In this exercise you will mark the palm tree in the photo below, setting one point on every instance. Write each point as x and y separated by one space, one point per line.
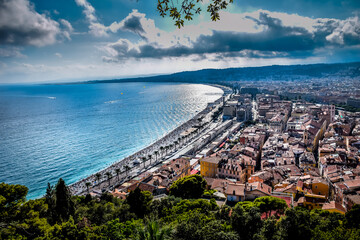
87 186
109 175
117 170
162 150
143 159
156 155
150 157
153 232
127 168
98 176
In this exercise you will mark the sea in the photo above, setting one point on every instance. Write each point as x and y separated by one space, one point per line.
71 131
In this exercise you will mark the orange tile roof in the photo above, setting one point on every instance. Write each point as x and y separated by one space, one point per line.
235 189
333 205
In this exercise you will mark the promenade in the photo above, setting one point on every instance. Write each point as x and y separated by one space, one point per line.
154 154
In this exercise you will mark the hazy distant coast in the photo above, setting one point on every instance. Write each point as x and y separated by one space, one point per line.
222 76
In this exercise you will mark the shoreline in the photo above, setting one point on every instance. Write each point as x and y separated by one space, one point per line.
79 187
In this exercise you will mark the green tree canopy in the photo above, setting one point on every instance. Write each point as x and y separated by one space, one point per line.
153 231
192 186
139 202
108 217
11 197
12 194
246 223
64 206
296 224
268 204
353 217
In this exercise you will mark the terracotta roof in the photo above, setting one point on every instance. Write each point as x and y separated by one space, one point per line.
262 187
176 164
353 184
212 159
118 194
235 189
237 148
143 187
289 189
220 185
301 200
354 198
313 130
319 180
209 180
300 184
287 199
333 205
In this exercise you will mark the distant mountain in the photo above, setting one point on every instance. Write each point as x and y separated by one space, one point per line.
276 72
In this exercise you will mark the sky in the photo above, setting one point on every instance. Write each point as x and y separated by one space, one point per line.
77 40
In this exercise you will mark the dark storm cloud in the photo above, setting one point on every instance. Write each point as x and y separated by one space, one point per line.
133 24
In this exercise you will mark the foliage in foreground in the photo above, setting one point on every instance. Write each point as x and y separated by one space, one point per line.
60 216
187 9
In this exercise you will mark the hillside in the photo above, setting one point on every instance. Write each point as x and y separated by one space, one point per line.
276 72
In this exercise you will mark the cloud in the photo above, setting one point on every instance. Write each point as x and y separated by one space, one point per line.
135 22
20 24
10 52
260 34
138 24
345 32
96 28
67 30
89 10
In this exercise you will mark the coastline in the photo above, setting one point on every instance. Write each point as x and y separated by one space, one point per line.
79 187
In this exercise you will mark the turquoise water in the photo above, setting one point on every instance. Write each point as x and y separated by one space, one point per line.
72 131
